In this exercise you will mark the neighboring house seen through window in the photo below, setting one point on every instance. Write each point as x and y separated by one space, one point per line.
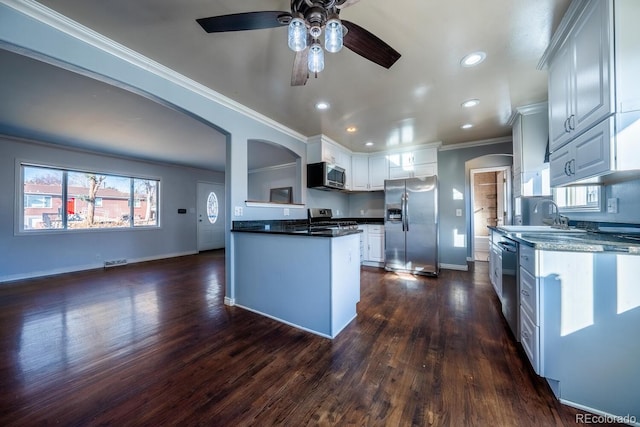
56 198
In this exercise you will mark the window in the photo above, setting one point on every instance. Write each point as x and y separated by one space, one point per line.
212 207
56 198
578 198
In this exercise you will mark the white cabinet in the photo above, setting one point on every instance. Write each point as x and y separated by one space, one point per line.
580 76
585 157
594 98
410 164
495 269
530 136
369 172
378 172
372 241
530 318
376 243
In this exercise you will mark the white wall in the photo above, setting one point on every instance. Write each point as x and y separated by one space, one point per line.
261 182
31 255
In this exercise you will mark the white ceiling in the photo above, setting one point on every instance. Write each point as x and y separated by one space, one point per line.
417 101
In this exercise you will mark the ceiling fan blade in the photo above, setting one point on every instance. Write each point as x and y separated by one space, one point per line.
242 21
369 46
300 72
345 3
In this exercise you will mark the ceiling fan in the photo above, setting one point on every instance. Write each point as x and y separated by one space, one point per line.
306 21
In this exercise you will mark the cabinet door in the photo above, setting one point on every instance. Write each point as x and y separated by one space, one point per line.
593 36
592 151
376 246
378 172
517 145
424 169
426 155
560 96
360 173
560 166
399 173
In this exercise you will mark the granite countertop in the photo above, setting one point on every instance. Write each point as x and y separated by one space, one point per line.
560 240
288 227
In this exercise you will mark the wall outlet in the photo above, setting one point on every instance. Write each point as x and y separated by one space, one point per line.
612 205
458 212
237 211
286 212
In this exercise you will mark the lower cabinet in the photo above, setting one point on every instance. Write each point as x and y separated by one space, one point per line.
372 244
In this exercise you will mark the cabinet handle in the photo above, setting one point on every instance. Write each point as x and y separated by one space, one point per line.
525 257
567 170
526 335
572 166
572 122
524 292
566 125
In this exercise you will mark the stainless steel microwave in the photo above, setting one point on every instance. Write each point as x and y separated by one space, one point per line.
326 176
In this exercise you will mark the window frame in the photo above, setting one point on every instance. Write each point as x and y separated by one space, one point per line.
594 207
19 222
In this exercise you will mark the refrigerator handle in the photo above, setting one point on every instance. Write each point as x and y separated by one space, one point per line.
402 212
406 211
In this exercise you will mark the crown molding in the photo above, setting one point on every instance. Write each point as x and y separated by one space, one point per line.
559 36
76 30
476 143
525 110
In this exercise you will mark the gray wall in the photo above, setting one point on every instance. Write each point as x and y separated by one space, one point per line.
261 182
366 205
454 181
36 254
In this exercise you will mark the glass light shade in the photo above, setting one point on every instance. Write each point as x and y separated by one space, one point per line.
316 58
333 36
297 35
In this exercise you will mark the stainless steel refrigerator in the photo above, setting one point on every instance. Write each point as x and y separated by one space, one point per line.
411 225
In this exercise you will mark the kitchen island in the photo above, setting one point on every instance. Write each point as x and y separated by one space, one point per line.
307 279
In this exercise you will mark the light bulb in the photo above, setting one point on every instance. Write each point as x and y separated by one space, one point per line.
297 35
333 36
316 58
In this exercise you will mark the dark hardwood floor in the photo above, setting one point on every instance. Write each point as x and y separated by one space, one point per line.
152 344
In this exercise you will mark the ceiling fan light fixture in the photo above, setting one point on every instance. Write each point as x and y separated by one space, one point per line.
297 35
333 35
316 58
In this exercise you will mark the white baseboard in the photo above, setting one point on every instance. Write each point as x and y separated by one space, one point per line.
92 266
602 417
229 301
454 267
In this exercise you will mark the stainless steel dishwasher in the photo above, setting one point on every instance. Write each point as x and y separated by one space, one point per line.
510 291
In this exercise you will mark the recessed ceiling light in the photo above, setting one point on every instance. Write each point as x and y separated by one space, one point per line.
470 103
467 126
473 59
352 129
322 105
368 144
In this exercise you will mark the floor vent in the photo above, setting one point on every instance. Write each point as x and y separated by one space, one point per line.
114 262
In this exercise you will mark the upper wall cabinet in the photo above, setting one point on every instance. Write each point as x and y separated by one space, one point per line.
593 67
529 147
410 164
369 172
580 74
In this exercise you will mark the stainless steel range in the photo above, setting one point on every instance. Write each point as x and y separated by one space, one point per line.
320 219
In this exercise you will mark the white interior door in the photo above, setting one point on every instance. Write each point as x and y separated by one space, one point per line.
210 214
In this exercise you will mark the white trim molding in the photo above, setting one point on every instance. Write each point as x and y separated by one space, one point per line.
476 143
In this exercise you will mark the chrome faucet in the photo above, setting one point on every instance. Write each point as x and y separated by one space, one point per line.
558 220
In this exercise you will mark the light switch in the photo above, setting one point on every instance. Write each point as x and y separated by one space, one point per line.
286 211
237 211
458 212
612 205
